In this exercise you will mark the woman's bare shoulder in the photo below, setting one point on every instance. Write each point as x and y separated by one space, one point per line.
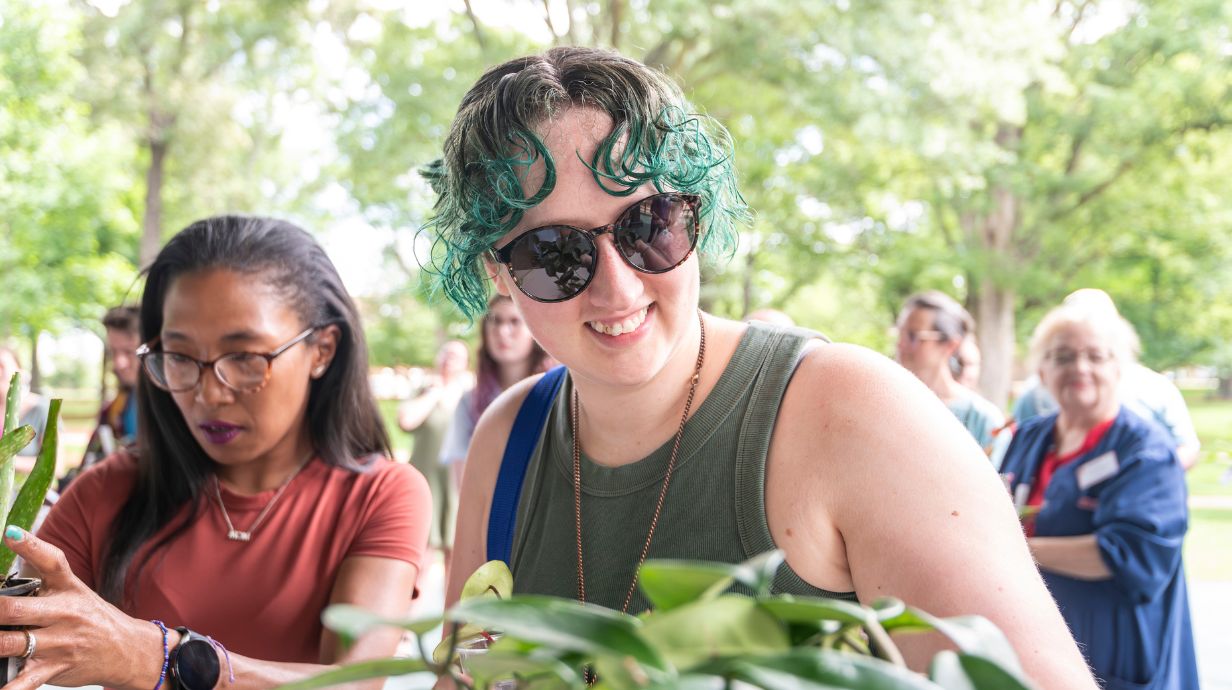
854 419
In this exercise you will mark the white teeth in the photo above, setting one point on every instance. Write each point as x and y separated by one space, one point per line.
627 326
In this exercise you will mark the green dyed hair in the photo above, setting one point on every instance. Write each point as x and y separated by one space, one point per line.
657 138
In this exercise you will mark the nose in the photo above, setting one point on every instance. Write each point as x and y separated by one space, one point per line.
211 391
616 286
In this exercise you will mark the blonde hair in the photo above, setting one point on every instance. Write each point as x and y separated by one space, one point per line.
1108 325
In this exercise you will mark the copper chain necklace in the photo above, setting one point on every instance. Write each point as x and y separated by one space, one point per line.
667 479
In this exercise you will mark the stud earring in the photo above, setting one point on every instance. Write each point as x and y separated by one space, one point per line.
316 373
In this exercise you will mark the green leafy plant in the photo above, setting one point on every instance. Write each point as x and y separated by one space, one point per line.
25 507
699 635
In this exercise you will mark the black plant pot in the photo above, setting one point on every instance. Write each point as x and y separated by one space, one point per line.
17 587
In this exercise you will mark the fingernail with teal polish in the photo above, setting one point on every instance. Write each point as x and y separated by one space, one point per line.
14 532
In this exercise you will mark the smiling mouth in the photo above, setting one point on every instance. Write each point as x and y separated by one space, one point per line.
628 325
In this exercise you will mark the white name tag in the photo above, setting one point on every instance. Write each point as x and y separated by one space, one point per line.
1095 471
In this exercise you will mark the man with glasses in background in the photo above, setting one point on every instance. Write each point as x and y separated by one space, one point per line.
117 420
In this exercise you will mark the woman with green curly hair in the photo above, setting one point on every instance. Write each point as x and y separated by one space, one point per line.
580 183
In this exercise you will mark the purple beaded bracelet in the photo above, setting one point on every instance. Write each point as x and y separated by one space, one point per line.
162 675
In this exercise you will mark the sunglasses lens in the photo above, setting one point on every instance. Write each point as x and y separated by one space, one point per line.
553 263
658 233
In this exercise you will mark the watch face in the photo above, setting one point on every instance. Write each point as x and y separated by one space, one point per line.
196 665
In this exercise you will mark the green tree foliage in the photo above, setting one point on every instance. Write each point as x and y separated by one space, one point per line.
203 92
67 220
1007 152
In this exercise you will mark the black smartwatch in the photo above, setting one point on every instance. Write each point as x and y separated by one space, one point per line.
194 662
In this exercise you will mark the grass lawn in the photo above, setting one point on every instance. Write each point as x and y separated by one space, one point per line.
1208 547
399 438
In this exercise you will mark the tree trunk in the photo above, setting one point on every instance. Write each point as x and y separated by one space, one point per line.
994 301
995 315
616 10
1224 391
994 235
152 222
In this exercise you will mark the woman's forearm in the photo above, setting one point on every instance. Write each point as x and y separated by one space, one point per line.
1077 557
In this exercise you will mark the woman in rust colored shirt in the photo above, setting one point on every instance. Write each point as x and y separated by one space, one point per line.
262 491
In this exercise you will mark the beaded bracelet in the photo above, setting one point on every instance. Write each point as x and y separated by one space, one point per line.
162 675
218 645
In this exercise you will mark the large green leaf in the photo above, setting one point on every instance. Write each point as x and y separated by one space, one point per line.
731 625
561 624
490 579
758 572
973 635
353 621
966 672
692 681
362 670
887 607
818 669
30 498
671 583
792 609
546 670
447 647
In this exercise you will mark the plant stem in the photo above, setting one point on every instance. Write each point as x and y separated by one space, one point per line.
881 645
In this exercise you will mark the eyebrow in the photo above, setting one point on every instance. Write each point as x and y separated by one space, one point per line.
235 336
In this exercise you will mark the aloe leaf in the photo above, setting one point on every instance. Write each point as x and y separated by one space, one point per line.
12 405
30 498
12 402
14 441
10 445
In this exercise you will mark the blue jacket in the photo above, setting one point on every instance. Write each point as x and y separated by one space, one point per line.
1134 629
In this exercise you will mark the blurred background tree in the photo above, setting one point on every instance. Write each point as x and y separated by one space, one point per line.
1006 153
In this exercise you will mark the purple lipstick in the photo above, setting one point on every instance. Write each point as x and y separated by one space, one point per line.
219 432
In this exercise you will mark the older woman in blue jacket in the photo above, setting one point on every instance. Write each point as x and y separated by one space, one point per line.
1105 501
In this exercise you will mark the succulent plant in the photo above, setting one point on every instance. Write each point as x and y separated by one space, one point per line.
25 507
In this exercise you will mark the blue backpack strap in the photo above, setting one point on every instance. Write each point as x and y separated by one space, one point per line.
523 438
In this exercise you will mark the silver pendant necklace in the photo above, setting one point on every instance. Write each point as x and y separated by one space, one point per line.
246 535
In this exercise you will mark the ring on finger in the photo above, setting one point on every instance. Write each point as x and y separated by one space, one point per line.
31 645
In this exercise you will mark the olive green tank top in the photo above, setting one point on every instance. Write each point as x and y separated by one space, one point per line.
715 507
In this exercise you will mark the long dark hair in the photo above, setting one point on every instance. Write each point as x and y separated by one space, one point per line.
343 421
488 373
